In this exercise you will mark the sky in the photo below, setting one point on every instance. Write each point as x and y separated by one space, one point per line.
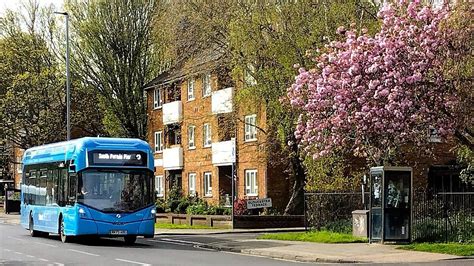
16 4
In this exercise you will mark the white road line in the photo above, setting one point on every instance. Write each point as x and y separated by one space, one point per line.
181 241
43 259
59 264
169 242
49 245
83 252
7 250
29 256
19 253
134 262
16 238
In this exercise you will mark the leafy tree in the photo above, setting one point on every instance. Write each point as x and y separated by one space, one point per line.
370 95
31 103
114 55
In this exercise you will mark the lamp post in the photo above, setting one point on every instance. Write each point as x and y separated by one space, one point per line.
68 92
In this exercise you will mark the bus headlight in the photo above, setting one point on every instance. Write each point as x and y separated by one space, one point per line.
152 213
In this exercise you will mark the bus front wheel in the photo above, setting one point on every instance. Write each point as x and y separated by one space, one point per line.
130 240
31 224
64 237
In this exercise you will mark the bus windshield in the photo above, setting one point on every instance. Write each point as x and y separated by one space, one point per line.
111 190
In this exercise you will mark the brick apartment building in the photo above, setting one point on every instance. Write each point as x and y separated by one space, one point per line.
199 136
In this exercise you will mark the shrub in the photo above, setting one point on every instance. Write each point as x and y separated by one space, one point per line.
240 207
160 205
339 226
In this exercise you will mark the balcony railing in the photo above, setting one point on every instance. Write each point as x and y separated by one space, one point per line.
223 153
173 158
222 101
172 112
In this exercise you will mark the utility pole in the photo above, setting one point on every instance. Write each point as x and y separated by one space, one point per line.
68 91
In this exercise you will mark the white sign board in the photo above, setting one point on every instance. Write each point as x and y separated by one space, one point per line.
259 203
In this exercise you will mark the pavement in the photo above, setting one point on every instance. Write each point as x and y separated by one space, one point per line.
228 240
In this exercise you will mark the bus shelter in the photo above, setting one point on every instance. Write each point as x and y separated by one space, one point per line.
390 204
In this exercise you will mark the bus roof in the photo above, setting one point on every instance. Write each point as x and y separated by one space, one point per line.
77 148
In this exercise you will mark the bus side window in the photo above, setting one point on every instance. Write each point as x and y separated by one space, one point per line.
33 190
55 189
72 188
62 187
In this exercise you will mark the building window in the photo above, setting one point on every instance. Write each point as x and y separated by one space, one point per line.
251 186
433 135
158 142
192 184
191 142
206 85
157 100
207 184
207 135
250 127
159 186
191 89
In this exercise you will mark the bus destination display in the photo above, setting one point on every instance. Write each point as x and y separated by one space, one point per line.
117 158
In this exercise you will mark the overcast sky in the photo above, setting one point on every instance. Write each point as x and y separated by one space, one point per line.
16 4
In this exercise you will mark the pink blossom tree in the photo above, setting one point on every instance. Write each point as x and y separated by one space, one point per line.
369 95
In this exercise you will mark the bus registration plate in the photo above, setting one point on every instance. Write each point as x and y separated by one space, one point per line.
118 232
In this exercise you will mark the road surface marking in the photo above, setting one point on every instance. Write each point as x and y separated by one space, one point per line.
19 239
43 259
19 253
83 252
29 256
59 264
170 242
49 245
134 262
7 250
181 241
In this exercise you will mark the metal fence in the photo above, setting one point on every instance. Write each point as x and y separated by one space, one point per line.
443 216
333 211
437 216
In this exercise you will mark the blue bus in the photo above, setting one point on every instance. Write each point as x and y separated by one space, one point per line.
89 186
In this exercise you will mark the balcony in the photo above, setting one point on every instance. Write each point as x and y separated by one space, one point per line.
223 153
222 101
172 112
173 158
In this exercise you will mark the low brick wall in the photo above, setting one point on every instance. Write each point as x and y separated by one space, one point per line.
225 221
218 221
269 221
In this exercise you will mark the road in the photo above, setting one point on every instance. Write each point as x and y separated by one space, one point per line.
18 248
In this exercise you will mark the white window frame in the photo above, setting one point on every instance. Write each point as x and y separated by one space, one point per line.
159 186
248 75
191 84
207 184
192 137
251 182
206 85
433 135
157 99
192 184
250 127
158 141
207 135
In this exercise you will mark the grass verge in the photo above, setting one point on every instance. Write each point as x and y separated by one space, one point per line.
445 248
315 236
182 226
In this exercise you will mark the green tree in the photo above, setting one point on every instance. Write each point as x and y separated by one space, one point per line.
113 54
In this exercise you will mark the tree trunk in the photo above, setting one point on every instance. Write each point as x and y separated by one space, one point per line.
296 203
